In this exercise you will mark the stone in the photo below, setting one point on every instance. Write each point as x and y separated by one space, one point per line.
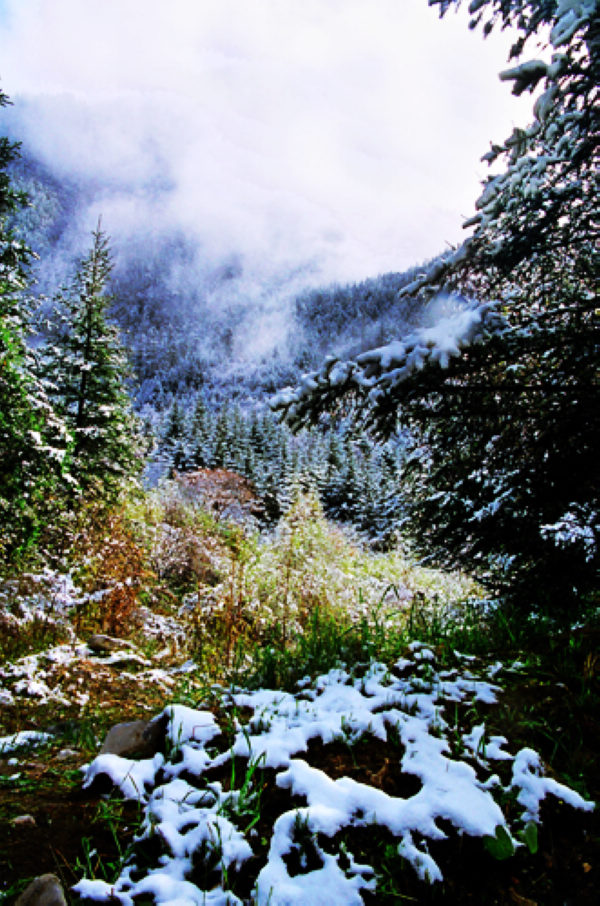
65 754
106 644
136 738
24 821
43 891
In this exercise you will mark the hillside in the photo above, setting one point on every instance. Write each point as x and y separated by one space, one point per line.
187 322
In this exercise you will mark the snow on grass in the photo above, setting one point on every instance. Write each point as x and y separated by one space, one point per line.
33 675
48 595
22 739
197 821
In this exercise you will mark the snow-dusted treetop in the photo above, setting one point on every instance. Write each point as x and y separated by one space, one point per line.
547 192
550 167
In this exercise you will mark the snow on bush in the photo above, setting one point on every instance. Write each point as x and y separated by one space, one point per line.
578 527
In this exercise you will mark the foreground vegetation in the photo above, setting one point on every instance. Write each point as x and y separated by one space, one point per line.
234 609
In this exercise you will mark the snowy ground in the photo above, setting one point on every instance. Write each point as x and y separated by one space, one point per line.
199 834
262 799
60 673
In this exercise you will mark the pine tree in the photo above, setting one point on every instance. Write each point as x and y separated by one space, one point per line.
237 443
221 440
32 437
174 438
200 435
89 371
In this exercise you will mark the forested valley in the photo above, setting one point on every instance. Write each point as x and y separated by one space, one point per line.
299 592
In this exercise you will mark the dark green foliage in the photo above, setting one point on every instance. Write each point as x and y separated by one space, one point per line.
32 439
500 846
88 369
509 483
173 438
66 426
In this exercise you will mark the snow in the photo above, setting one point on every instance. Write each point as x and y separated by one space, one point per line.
533 786
571 15
30 675
51 675
320 887
193 813
188 724
130 776
575 528
23 738
475 741
378 371
51 593
525 76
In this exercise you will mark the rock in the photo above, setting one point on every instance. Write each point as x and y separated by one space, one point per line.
24 821
126 739
65 754
43 891
106 644
136 738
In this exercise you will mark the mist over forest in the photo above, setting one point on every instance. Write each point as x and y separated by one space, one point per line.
210 341
194 322
264 159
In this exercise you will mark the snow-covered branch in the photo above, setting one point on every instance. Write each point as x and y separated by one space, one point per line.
548 180
381 372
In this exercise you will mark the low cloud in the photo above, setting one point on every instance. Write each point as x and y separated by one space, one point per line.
314 142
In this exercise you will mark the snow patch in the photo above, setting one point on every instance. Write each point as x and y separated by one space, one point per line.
196 818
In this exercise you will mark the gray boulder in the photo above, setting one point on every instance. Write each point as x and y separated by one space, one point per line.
43 891
135 739
106 644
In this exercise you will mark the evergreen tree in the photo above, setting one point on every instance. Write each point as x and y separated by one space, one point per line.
221 440
32 438
200 435
89 372
238 440
174 439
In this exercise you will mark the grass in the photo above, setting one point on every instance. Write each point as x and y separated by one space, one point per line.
309 597
270 612
118 826
245 806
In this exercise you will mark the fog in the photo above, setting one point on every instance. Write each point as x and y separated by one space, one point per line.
294 143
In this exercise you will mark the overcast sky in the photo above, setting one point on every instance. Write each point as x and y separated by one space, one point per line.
342 134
